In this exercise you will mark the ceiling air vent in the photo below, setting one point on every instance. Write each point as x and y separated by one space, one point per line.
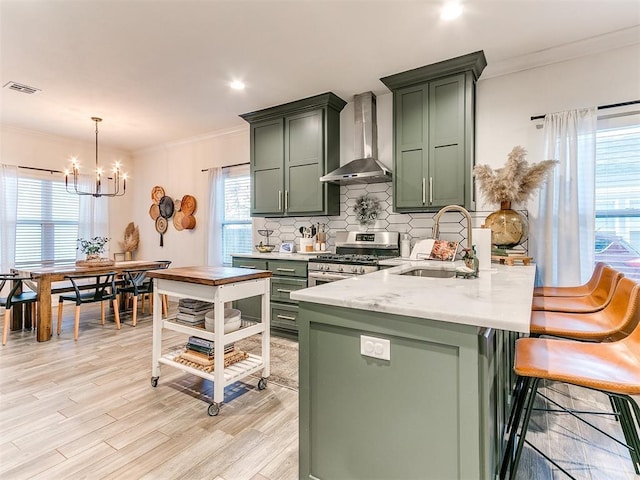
19 87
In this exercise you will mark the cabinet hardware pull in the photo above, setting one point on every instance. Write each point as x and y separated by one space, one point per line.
281 290
279 199
424 193
247 266
280 269
430 190
285 317
286 199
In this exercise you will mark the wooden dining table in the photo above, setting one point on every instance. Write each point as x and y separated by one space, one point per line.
44 277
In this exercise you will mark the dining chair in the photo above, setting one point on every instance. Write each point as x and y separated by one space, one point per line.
137 284
16 296
90 288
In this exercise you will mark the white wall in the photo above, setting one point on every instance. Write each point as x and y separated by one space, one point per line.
39 150
178 169
506 103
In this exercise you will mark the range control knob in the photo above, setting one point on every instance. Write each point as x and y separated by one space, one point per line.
340 269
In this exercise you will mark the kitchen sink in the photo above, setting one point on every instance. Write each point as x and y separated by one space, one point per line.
429 272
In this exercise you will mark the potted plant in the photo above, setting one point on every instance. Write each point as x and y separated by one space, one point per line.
92 247
515 182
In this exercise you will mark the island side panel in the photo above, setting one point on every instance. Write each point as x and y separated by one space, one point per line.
424 411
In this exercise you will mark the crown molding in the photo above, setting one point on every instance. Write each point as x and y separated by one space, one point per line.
194 139
567 51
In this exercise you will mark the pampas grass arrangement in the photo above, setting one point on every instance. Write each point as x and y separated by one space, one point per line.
516 181
131 238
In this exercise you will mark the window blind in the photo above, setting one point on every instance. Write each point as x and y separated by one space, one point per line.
617 198
236 226
46 223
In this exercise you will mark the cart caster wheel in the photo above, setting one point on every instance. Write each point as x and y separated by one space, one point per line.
213 410
262 384
154 381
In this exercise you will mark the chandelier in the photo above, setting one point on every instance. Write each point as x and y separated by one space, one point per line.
100 177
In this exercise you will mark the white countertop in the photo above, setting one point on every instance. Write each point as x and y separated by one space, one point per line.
279 256
500 298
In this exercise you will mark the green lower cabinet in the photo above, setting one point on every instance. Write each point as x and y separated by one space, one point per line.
430 412
285 317
288 276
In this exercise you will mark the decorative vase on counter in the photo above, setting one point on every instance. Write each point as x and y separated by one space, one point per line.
508 227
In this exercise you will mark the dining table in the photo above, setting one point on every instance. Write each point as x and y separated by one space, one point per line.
43 277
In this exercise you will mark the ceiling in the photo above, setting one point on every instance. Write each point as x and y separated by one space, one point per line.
157 71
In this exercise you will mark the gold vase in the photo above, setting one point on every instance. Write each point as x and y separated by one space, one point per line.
508 227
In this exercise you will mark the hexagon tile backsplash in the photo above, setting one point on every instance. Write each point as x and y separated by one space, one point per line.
417 225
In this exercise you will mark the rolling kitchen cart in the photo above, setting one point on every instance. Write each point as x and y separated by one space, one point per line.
216 285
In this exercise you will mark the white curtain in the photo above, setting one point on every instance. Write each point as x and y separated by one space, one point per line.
216 216
8 216
93 218
563 232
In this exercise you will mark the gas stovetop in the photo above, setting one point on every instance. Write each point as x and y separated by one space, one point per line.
351 259
357 252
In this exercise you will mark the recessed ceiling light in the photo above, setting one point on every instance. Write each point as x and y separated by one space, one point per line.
451 10
237 85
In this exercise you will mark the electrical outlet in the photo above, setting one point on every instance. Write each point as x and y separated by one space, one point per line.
375 347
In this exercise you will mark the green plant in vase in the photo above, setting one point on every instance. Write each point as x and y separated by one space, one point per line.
92 247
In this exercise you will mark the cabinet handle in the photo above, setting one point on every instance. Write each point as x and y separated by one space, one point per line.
430 190
424 193
280 269
285 317
286 199
281 290
279 199
247 266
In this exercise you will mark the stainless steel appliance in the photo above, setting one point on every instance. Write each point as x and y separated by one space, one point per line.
357 253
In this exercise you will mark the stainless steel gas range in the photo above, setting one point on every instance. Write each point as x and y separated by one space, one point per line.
357 253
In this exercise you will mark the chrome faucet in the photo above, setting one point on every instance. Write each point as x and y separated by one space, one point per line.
463 211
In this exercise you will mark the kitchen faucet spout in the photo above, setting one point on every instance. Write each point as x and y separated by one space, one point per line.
463 211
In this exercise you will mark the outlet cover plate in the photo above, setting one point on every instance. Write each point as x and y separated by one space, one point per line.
375 347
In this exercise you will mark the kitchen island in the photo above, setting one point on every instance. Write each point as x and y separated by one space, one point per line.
436 408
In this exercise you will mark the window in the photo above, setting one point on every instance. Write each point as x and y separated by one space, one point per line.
617 238
47 222
236 224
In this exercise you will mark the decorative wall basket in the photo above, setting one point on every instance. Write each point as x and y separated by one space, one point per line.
509 228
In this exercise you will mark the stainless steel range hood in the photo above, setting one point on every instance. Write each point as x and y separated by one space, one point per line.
366 168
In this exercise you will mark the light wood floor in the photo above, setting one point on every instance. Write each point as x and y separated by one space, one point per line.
86 409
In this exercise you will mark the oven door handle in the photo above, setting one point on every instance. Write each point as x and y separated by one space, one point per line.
329 276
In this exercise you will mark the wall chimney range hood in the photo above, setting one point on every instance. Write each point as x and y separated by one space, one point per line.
366 168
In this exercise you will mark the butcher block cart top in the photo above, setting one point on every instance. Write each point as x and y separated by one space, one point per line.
216 285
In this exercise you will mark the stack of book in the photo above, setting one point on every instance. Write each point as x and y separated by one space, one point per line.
192 312
199 353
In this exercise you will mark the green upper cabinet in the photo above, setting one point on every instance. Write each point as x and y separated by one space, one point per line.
292 146
434 134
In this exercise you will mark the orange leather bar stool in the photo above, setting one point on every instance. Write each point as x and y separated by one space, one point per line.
595 301
577 291
613 322
612 368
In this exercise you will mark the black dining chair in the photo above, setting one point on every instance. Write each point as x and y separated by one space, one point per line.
16 296
137 284
90 288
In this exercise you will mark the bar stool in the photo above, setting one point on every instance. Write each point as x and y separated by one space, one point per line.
613 322
593 302
15 298
577 291
612 368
